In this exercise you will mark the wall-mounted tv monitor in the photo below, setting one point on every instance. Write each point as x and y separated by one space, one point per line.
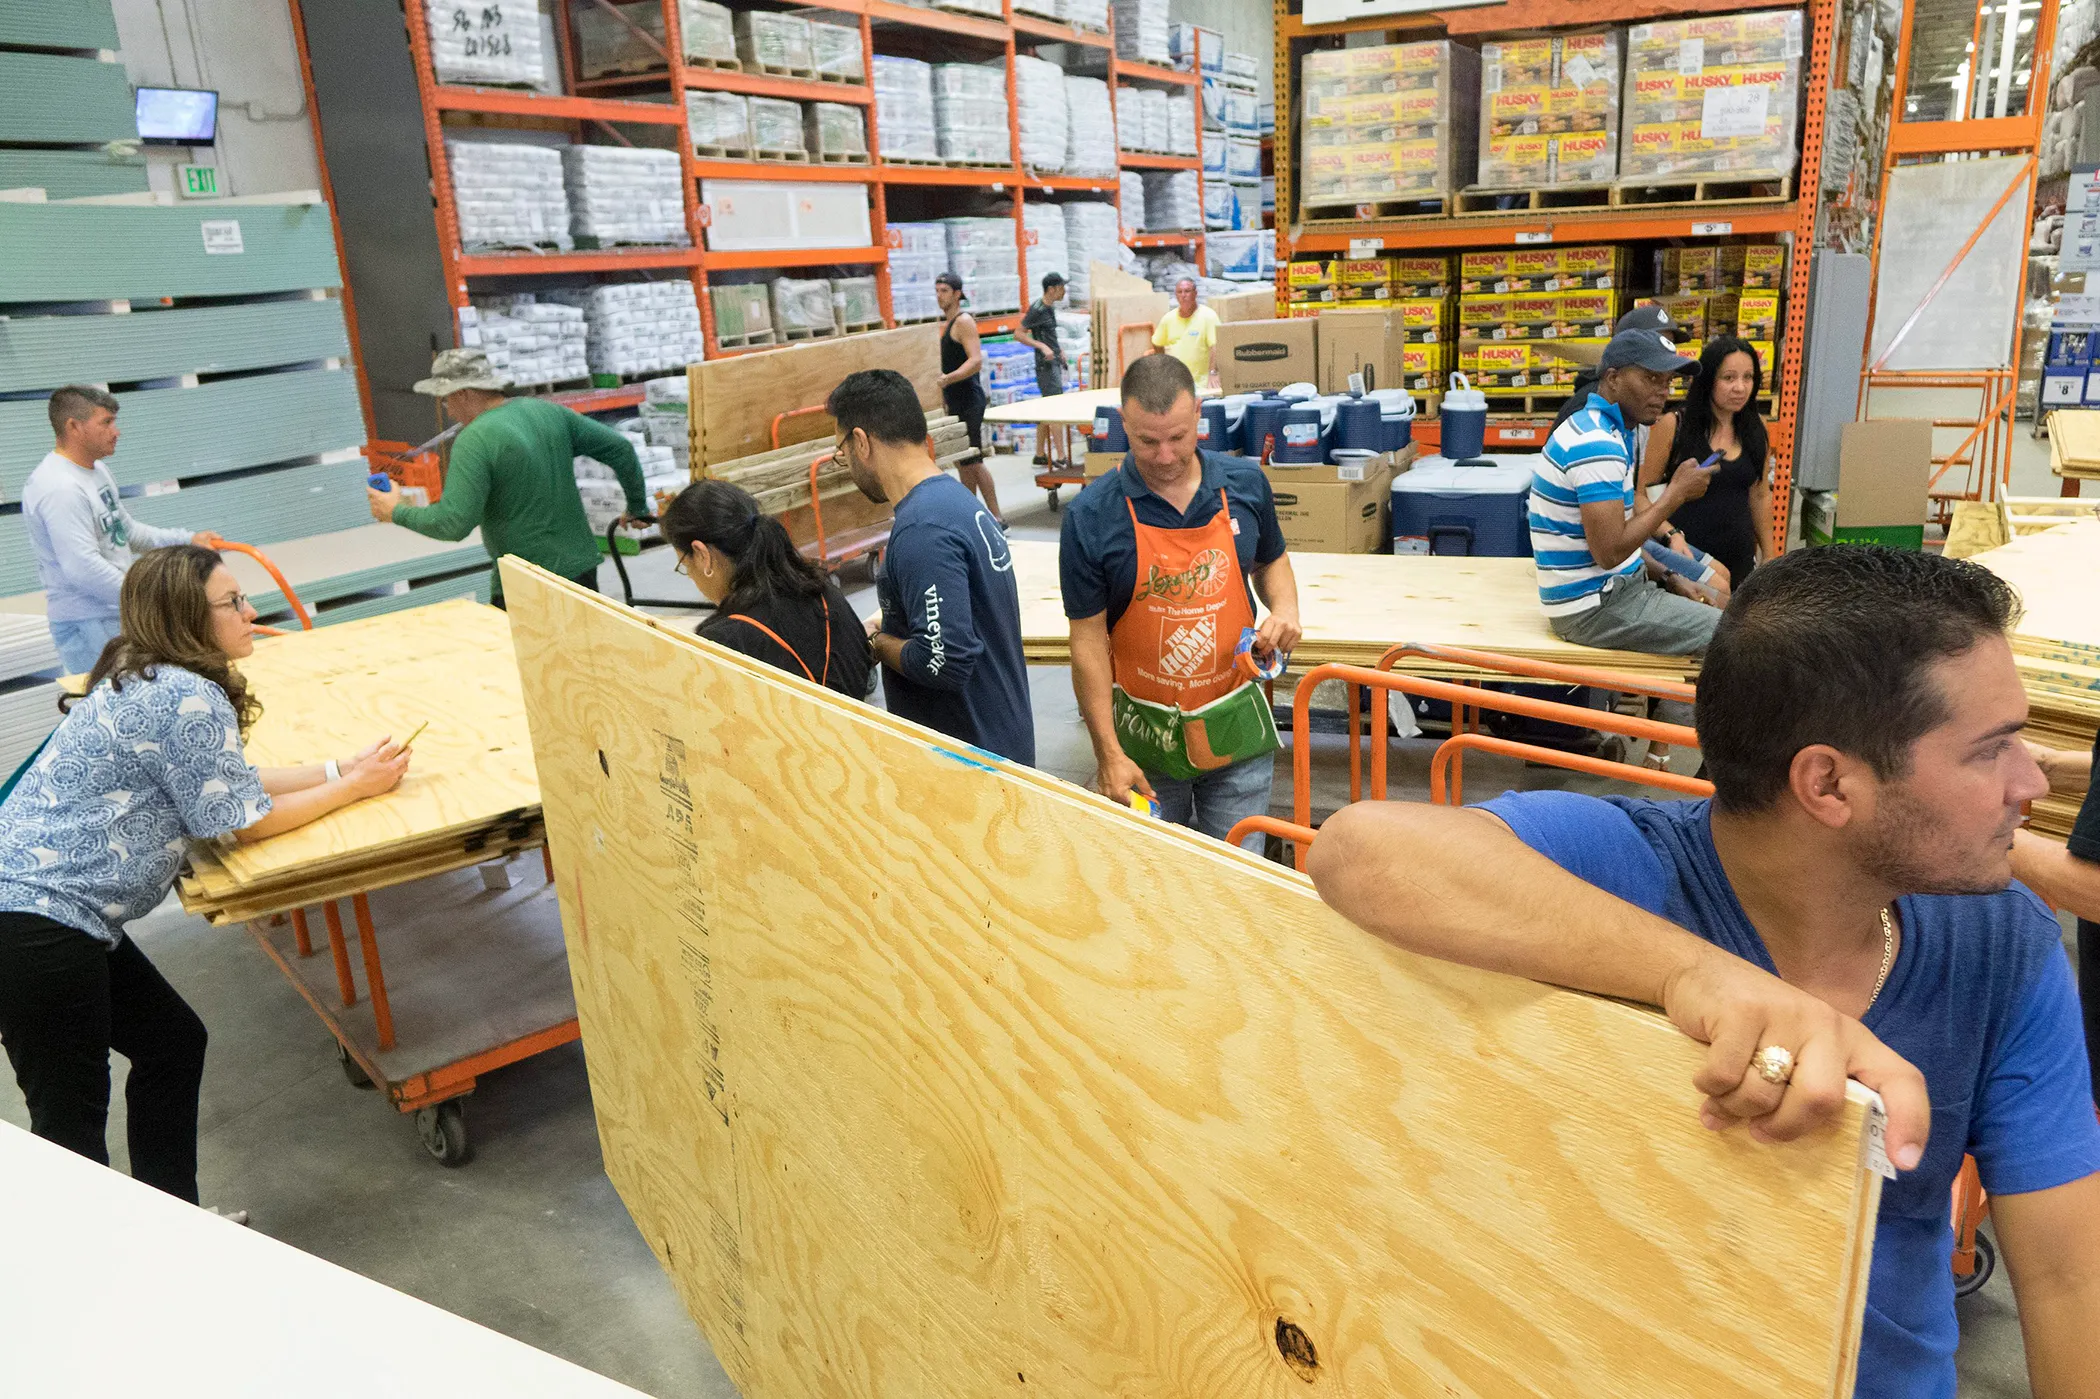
178 116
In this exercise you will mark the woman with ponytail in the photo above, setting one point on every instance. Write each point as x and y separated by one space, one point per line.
770 603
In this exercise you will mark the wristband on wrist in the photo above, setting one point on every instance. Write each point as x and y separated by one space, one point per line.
335 774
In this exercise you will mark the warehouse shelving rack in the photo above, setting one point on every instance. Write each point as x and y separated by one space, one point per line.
657 100
1794 215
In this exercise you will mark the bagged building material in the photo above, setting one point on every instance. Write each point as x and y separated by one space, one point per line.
1090 147
607 44
528 342
718 122
1092 234
1398 121
776 127
1181 123
970 114
743 313
1549 110
918 254
855 304
1039 102
626 194
1172 201
1141 31
835 52
1047 9
1087 14
774 43
1043 228
802 307
488 42
1713 95
1130 118
1186 41
1157 120
1130 197
984 254
636 328
904 114
1217 204
835 129
509 194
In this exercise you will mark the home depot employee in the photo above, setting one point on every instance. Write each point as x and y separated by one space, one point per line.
1155 560
513 473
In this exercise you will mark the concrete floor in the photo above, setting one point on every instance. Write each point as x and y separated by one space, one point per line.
530 1238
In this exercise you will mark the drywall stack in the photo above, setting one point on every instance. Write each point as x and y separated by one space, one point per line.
969 114
530 343
802 308
634 328
1517 307
488 43
29 692
607 44
629 194
904 109
73 133
1395 122
1549 110
511 195
1092 235
1130 197
1039 97
1173 201
835 131
768 42
1047 247
983 253
918 254
719 123
1090 147
1141 31
1711 96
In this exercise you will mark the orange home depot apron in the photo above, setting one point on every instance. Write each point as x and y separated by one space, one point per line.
1182 708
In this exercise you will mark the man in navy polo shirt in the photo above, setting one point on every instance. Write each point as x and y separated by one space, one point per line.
1156 561
1846 895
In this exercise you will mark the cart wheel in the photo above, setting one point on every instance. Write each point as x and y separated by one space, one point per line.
352 1070
444 1132
1986 1264
1054 501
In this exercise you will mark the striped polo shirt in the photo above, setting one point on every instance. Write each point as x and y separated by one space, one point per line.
1588 458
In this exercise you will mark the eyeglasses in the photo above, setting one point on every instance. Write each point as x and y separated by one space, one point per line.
679 563
234 604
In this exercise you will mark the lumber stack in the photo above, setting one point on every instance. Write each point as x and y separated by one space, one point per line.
1356 607
780 478
2074 443
471 793
2056 645
1039 1092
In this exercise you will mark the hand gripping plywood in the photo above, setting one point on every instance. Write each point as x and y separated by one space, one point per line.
926 1074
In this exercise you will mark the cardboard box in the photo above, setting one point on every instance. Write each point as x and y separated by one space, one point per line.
1762 265
1362 271
1387 464
1757 315
1258 304
1884 473
1101 463
1333 517
1351 340
1310 274
1254 355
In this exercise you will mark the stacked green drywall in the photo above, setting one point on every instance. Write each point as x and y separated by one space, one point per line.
57 24
80 99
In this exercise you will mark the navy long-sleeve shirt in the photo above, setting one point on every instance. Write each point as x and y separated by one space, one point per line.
948 592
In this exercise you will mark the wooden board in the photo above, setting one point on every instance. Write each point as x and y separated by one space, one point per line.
2056 643
1075 409
734 400
327 693
1356 607
924 1073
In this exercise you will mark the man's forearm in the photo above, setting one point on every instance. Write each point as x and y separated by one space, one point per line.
1093 685
1276 584
2061 878
1459 886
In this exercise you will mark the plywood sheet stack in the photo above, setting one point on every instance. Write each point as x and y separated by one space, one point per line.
979 1105
780 479
2074 443
1356 607
471 793
2056 645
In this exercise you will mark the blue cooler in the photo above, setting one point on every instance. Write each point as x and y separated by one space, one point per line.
1442 507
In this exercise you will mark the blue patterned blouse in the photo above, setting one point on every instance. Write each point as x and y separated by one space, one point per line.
93 835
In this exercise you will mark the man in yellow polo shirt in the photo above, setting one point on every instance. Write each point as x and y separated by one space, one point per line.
1188 331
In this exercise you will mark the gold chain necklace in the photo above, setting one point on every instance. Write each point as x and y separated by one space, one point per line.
1888 954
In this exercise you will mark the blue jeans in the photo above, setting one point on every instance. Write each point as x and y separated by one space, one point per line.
1217 803
80 643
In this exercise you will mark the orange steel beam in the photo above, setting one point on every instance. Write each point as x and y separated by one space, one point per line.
375 980
1270 825
1539 670
340 951
1446 780
302 937
1786 394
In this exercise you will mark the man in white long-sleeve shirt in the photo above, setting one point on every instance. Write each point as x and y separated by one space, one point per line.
81 533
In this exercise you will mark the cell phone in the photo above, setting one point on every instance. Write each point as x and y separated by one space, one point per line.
1709 461
410 740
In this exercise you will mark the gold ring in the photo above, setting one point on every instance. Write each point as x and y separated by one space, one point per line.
1774 1064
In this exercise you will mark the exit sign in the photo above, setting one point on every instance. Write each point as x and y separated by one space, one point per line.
198 181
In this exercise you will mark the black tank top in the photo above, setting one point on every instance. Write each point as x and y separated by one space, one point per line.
967 394
1719 521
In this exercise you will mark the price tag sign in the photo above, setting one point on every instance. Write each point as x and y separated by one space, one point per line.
1712 230
1534 235
1734 112
222 236
1366 247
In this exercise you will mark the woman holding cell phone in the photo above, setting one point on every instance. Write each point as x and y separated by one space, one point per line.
1718 421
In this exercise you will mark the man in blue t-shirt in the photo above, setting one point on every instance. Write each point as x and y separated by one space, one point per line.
950 637
1846 895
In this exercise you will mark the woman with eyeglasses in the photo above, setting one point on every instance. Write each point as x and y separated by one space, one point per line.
147 761
771 604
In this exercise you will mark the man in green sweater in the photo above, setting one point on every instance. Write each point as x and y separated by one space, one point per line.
513 473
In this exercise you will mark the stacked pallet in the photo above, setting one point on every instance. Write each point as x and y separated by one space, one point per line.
1356 607
780 479
2056 645
471 793
2074 443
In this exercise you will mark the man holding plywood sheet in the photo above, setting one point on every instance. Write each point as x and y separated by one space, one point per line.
1846 892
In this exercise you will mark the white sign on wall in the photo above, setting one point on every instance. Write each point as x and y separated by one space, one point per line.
1340 11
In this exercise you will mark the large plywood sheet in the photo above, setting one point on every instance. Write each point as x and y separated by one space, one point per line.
925 1074
733 401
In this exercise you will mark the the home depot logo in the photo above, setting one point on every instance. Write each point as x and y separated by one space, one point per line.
1187 650
1203 578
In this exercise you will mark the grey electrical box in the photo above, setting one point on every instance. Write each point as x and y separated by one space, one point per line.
1838 288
